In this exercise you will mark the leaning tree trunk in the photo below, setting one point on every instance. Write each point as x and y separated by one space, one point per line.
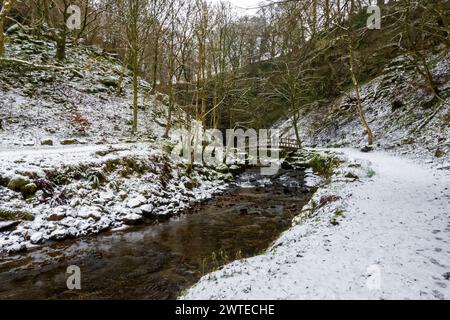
2 39
295 124
359 107
134 59
6 8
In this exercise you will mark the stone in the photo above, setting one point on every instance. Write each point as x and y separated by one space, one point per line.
104 223
352 176
109 82
56 215
47 142
107 196
59 234
37 238
28 143
29 189
136 202
8 225
133 219
147 209
74 202
17 183
367 149
66 142
89 212
123 195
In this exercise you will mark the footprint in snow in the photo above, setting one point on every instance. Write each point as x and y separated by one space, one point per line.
438 295
441 284
435 262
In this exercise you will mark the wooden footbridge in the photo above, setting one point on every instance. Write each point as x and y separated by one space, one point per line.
283 143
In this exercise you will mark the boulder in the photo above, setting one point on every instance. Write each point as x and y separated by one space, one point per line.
37 238
56 215
29 189
66 142
89 212
147 209
59 234
17 183
367 149
47 142
8 225
133 219
136 202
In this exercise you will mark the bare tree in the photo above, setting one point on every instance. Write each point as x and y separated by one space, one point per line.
6 6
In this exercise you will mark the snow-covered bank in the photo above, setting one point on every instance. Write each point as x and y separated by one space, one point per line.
58 193
379 230
397 109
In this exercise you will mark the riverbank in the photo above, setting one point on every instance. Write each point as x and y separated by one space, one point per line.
160 261
70 192
380 229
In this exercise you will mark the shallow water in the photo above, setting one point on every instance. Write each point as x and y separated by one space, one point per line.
160 261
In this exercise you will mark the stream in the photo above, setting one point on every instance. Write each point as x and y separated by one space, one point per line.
161 260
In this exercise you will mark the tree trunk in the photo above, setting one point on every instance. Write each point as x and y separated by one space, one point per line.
358 94
134 58
61 48
155 66
4 11
297 133
2 39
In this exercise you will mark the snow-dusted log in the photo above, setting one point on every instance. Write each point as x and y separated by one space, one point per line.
34 65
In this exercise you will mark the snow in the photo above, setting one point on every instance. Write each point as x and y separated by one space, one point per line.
390 242
125 197
39 107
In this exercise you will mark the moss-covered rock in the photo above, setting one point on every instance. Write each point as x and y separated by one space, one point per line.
17 183
439 153
15 214
66 142
47 142
109 82
29 189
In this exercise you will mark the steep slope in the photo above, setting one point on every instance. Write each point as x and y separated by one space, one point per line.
397 106
76 102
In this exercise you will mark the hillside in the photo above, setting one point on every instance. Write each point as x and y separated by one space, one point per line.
77 104
69 165
403 115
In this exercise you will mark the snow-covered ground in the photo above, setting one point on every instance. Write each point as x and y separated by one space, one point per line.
77 105
64 192
379 230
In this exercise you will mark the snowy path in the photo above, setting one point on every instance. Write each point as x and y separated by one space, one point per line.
394 243
62 155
